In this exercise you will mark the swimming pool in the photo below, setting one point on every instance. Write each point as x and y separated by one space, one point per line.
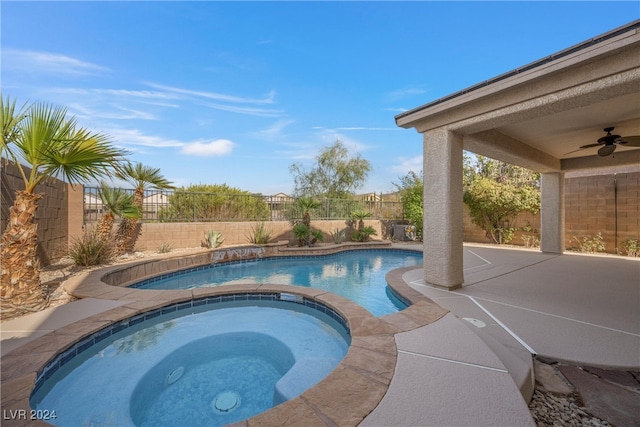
358 275
208 362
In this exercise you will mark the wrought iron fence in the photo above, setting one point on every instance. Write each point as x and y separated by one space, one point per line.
181 206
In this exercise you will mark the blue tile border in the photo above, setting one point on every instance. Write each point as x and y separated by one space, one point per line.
68 354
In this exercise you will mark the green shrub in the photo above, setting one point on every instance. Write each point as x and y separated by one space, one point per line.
632 247
301 231
316 236
363 235
91 250
259 235
339 236
590 244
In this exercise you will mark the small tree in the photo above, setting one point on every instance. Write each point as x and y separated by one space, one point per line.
496 193
335 175
115 203
142 178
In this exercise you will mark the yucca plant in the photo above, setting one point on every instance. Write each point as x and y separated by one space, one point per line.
212 239
339 236
91 249
259 235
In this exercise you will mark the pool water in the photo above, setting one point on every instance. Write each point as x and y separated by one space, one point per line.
207 368
356 275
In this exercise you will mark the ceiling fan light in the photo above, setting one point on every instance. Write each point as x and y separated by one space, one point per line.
606 150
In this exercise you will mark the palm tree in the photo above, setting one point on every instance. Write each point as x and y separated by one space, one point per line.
51 145
115 203
307 204
142 178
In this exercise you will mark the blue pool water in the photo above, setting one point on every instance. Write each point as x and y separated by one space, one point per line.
356 275
207 368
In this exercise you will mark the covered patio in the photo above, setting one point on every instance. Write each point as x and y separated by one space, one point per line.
537 116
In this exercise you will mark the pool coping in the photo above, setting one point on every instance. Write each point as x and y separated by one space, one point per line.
344 398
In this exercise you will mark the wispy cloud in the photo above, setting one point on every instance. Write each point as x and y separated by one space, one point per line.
404 93
273 131
268 99
49 63
134 139
252 111
406 164
219 147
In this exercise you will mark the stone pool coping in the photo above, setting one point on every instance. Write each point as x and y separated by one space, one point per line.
344 398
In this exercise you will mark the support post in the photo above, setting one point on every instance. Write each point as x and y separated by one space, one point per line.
552 212
443 232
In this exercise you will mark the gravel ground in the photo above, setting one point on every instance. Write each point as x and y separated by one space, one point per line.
550 409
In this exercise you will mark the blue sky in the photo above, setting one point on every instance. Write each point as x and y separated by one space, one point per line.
236 92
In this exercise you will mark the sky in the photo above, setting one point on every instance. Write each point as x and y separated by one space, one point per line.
236 92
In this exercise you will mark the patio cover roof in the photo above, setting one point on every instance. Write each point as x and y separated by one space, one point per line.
537 115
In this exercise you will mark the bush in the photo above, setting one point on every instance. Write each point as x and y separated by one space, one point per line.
590 244
632 247
259 235
339 236
91 250
363 235
164 248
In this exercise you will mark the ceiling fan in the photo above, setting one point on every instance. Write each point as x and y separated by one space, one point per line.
608 143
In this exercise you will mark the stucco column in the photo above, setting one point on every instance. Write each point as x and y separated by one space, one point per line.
443 234
552 212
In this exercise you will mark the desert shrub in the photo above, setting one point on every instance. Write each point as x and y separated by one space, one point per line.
259 234
339 236
90 249
164 248
591 244
632 247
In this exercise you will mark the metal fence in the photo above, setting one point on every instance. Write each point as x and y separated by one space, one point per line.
181 206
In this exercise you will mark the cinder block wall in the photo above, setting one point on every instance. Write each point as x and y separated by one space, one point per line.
52 215
182 235
591 207
473 233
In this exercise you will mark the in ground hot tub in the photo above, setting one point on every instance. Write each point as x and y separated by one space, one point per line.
207 362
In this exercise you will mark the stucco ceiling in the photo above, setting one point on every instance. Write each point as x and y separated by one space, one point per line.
560 134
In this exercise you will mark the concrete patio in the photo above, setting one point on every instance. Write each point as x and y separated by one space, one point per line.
472 366
579 308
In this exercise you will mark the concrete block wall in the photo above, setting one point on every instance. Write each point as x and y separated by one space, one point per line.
473 233
180 235
591 207
52 215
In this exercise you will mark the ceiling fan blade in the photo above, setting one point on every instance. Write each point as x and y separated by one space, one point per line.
606 150
590 145
630 141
